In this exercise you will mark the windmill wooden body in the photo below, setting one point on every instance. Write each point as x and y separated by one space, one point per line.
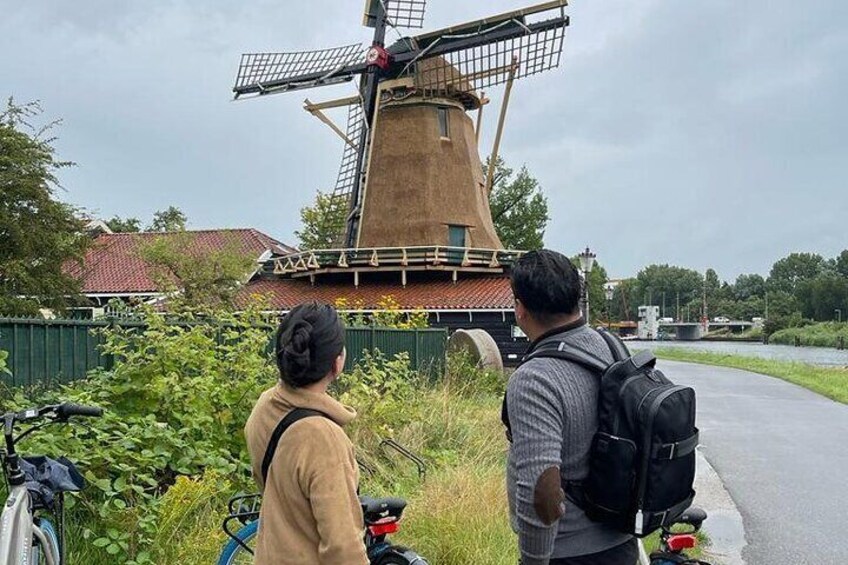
411 191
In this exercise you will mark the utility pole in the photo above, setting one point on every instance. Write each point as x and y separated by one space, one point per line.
663 309
678 306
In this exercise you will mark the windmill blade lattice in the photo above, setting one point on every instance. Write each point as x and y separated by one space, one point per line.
399 13
340 199
406 13
299 69
487 65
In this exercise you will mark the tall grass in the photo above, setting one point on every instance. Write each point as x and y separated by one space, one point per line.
460 516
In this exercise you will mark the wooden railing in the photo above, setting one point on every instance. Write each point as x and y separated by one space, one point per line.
393 258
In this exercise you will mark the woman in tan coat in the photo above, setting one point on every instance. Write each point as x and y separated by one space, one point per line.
310 510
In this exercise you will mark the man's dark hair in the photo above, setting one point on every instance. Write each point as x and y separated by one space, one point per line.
547 283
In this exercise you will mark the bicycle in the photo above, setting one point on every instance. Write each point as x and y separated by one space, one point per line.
36 487
382 517
673 543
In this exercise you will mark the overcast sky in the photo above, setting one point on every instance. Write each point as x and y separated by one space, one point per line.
703 134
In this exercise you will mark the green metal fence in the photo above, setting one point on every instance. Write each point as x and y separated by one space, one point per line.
56 351
426 347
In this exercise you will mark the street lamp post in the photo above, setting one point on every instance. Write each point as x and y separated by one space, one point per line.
609 291
587 261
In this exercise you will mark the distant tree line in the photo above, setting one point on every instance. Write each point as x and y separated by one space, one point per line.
171 219
799 287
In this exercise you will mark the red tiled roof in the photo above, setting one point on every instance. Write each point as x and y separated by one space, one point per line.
477 293
113 265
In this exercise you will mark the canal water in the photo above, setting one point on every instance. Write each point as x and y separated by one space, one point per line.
813 355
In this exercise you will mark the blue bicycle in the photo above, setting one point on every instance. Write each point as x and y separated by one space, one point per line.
382 517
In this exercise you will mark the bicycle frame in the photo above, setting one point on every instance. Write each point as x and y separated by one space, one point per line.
22 541
18 531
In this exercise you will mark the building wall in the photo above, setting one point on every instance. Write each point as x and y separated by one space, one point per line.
419 183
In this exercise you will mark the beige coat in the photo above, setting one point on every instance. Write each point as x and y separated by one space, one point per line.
310 510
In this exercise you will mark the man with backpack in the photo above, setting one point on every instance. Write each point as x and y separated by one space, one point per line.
551 413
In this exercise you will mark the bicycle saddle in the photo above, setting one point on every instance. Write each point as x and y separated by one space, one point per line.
692 516
375 509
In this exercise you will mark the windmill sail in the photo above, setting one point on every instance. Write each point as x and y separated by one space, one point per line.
400 13
481 54
260 73
335 221
489 65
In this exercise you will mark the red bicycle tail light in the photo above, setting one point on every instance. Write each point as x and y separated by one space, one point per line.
682 541
383 529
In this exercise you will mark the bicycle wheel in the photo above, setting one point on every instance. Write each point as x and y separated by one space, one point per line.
38 552
398 555
234 553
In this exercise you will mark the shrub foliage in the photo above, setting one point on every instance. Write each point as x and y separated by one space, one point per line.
175 405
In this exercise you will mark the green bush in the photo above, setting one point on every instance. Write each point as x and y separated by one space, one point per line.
777 323
825 334
175 405
380 389
4 368
466 377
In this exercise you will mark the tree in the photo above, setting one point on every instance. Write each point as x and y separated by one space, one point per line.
786 273
820 297
197 279
41 239
841 263
124 225
623 299
712 286
168 220
597 296
519 208
748 286
323 222
678 283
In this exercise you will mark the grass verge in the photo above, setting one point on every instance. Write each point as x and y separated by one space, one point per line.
831 382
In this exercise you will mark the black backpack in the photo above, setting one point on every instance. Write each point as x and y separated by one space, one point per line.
642 459
293 416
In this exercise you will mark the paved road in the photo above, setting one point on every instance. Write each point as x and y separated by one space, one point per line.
782 452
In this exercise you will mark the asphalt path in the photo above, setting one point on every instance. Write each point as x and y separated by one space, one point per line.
782 453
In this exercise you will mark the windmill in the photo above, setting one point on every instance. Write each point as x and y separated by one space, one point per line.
411 174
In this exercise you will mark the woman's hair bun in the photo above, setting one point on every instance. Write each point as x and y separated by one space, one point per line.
309 340
296 353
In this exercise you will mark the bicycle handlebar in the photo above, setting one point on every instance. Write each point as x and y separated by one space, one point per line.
67 409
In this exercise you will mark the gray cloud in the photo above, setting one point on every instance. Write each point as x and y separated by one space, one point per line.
702 134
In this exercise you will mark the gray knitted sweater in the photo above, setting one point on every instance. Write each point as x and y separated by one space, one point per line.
553 415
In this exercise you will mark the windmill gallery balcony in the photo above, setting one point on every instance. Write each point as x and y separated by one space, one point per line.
391 259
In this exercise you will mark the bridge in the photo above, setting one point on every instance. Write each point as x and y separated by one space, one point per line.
693 331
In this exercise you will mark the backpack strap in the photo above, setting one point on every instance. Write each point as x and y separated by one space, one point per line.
617 348
567 352
556 350
293 416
